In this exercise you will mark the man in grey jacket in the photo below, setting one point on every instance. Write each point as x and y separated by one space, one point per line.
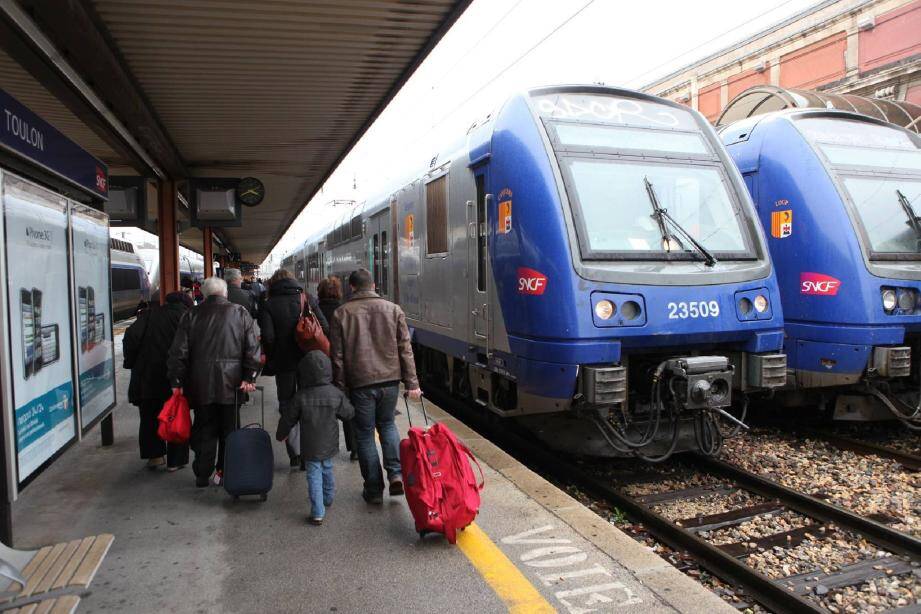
371 353
213 358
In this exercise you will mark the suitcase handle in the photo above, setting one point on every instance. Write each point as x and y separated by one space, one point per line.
408 416
238 405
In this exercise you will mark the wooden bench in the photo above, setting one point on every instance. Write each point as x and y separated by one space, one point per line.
53 575
62 605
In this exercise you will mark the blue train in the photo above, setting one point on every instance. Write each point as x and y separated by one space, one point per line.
586 261
841 193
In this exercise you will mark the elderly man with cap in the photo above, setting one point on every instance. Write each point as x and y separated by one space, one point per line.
237 294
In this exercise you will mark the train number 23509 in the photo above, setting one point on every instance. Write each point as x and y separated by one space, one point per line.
693 309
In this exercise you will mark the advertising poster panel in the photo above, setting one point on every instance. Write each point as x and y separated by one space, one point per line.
39 312
95 352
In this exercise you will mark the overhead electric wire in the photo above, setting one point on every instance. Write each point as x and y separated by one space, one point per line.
505 69
705 43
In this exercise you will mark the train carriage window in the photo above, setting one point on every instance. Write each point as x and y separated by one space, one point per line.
356 227
436 216
481 233
385 260
376 255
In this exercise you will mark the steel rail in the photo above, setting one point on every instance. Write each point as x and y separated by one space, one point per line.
910 461
876 532
767 592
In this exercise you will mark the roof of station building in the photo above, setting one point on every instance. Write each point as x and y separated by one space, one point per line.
280 90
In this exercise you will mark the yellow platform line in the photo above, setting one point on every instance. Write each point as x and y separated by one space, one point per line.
511 586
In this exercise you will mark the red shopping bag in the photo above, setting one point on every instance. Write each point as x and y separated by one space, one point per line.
175 420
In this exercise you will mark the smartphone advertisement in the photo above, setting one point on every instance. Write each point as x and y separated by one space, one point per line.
39 311
95 355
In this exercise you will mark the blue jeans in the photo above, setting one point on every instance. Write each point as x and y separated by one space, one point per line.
375 407
320 486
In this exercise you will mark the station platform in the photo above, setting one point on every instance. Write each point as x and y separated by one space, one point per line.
179 548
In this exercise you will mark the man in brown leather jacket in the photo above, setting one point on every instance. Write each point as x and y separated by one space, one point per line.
371 355
214 355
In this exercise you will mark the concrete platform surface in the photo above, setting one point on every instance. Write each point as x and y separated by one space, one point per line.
183 549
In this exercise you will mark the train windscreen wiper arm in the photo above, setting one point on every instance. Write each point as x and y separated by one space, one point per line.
913 220
662 216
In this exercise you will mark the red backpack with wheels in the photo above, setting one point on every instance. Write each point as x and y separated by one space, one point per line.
441 488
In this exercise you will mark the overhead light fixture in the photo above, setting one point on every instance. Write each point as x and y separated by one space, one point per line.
761 66
867 22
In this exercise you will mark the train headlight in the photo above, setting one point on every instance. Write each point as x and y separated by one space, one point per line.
907 300
604 309
761 303
889 299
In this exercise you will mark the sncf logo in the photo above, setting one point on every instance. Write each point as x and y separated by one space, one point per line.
531 281
817 283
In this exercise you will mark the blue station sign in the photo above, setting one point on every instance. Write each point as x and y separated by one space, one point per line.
28 136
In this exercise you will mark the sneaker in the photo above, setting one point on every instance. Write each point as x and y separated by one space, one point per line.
315 520
374 499
155 463
396 488
218 478
175 469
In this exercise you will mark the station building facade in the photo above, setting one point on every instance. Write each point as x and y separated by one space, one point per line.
865 47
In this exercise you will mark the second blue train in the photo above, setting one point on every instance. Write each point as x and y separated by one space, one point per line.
840 194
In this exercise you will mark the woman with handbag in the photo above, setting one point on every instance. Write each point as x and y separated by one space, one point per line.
329 295
278 321
145 347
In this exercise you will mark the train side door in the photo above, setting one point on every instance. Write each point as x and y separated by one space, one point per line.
478 263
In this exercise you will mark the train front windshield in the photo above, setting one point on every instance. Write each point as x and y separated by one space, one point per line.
879 168
643 181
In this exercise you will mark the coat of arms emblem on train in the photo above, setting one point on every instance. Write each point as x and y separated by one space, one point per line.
781 224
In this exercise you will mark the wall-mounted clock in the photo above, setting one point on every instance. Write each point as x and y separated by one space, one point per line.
250 191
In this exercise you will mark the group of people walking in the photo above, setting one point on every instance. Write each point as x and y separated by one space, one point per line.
213 353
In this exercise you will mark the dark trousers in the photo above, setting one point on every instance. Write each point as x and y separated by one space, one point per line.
151 444
286 386
210 427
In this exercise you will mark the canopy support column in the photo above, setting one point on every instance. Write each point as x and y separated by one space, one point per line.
208 251
169 240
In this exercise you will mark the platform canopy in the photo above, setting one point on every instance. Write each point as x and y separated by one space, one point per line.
766 98
279 90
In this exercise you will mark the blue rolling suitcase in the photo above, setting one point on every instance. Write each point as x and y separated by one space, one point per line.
249 460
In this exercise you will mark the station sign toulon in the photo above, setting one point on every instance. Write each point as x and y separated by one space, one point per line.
28 136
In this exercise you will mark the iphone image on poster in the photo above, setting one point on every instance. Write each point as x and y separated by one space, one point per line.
100 328
28 331
84 321
36 328
50 348
91 317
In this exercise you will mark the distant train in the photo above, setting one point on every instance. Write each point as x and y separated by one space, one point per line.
841 195
586 261
191 267
130 285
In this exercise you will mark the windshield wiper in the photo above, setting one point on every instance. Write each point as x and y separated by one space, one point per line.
662 216
913 220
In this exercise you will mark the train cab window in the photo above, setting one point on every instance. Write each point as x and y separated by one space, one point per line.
481 233
616 209
436 216
385 261
125 279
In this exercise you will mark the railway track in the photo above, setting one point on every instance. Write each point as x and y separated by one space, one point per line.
727 561
910 461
